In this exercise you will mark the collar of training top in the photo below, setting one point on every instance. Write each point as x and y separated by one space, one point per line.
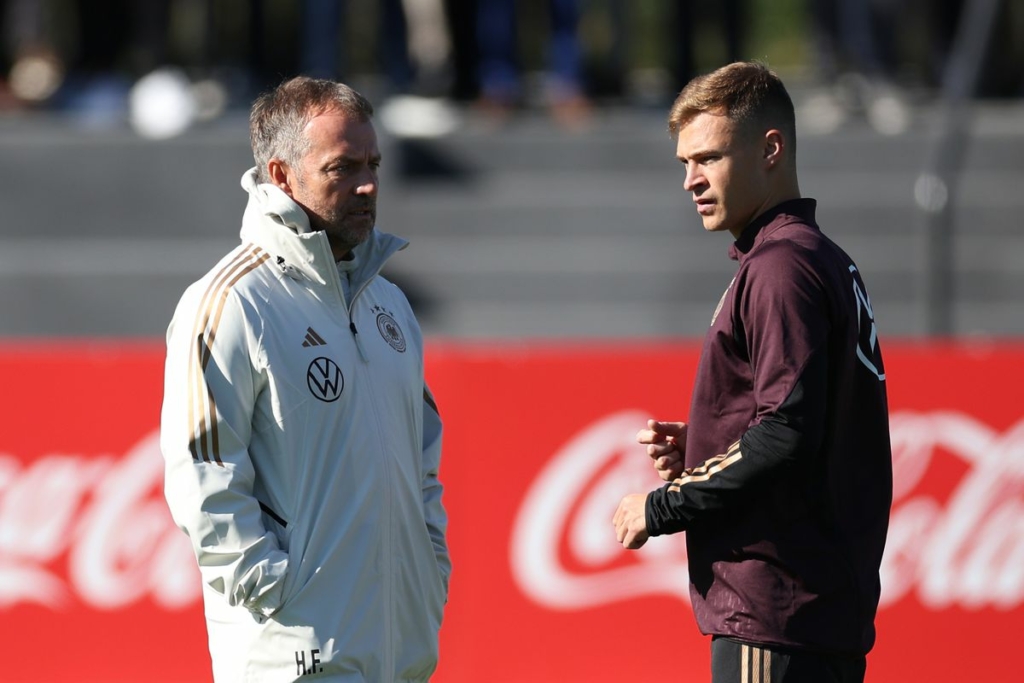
781 214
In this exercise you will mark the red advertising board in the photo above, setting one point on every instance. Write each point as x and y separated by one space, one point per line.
96 584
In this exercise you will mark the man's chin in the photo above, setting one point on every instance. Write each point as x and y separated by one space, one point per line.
353 235
347 238
715 226
363 233
360 225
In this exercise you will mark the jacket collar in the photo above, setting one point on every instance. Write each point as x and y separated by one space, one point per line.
275 223
760 228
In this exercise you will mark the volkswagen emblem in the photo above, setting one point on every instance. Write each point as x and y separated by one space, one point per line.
324 379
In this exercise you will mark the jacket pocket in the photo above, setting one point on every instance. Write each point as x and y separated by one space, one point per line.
279 526
281 522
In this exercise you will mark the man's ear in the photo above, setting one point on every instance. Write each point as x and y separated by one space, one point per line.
774 144
280 175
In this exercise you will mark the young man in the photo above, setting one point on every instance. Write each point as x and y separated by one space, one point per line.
782 478
302 446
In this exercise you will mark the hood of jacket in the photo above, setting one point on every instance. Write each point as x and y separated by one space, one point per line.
276 223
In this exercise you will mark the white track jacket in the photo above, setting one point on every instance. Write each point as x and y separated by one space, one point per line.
302 449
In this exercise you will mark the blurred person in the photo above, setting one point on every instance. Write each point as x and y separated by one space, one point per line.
461 16
854 35
942 17
501 87
113 41
1002 71
30 68
856 59
324 22
414 45
247 47
782 478
302 445
684 21
430 45
117 41
117 69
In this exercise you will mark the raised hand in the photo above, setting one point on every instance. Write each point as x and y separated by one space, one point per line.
666 444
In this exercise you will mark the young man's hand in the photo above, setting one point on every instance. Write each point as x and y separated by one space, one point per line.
631 521
666 444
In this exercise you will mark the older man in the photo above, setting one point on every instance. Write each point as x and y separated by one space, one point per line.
302 445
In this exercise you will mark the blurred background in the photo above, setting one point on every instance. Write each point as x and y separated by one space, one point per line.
525 153
561 272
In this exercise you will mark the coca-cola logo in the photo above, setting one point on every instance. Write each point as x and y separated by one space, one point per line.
965 550
567 504
963 547
94 530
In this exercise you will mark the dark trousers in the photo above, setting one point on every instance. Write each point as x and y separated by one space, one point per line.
736 662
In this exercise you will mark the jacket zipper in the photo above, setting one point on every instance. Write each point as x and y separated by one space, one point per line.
350 307
387 540
358 339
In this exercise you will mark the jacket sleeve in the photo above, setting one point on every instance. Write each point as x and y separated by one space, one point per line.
782 318
787 437
434 512
210 390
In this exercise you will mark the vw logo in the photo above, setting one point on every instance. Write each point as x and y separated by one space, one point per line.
324 379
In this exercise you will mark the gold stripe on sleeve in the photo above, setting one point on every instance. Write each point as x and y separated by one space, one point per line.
202 409
708 469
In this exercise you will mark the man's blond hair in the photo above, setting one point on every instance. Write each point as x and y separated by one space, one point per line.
748 93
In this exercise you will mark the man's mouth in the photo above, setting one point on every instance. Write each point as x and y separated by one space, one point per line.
704 206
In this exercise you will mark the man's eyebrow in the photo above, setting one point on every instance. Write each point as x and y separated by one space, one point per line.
700 153
349 158
340 158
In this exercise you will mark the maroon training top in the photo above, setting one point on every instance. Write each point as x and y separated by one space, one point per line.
788 485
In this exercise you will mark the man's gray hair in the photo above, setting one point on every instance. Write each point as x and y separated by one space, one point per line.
279 116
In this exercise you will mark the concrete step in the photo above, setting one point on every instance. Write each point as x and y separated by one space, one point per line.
523 231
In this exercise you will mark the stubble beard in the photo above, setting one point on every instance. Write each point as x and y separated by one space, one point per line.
342 235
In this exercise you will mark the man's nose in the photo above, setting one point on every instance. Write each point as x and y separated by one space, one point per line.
367 184
692 179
